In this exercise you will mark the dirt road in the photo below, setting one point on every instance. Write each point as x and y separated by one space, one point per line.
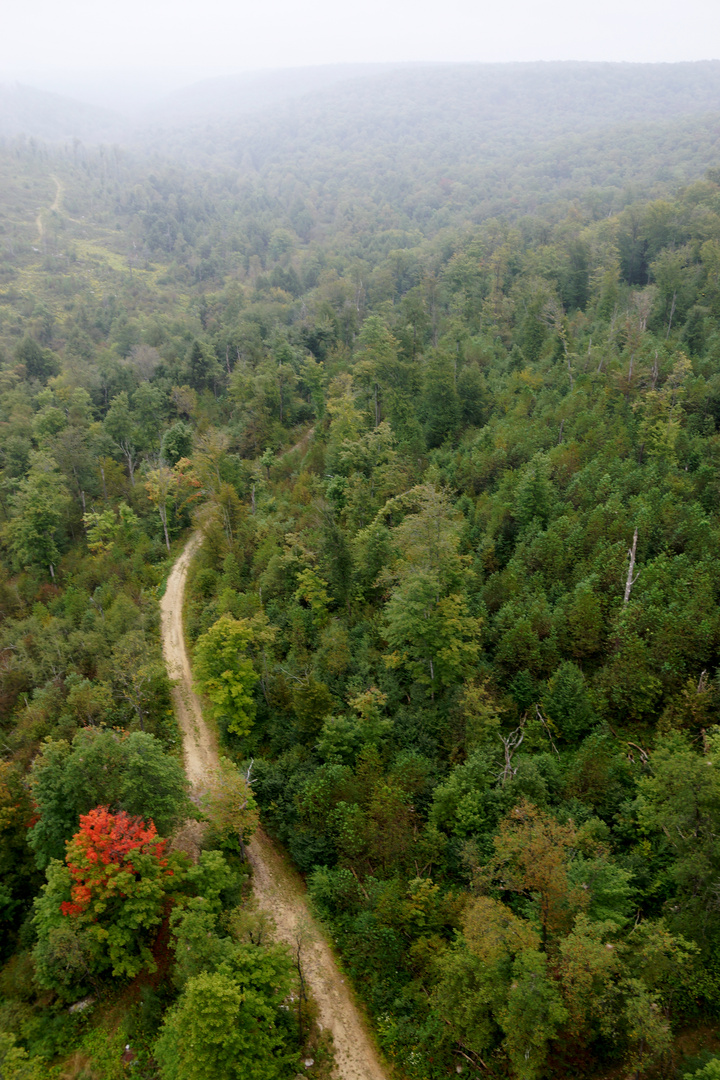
279 890
55 205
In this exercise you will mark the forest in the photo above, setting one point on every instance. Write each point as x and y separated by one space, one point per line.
430 364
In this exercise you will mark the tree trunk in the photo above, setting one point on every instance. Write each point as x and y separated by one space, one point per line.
163 518
672 312
130 458
631 569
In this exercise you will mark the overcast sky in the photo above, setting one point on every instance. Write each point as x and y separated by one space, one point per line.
203 37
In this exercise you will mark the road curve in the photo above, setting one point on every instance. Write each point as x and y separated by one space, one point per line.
279 890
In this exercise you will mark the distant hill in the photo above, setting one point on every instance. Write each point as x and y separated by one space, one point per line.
388 102
571 94
445 141
253 91
483 138
43 115
467 109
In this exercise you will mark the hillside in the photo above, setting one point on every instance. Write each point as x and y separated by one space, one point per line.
429 360
38 114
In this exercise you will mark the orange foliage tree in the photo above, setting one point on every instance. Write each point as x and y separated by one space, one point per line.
114 888
99 858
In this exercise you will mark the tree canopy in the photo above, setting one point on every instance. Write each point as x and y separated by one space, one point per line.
431 365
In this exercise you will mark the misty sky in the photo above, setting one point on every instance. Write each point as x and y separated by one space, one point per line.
205 37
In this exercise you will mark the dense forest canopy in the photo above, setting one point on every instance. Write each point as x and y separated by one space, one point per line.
430 359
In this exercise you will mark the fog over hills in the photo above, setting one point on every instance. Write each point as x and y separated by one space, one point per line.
435 139
234 95
389 101
41 114
588 92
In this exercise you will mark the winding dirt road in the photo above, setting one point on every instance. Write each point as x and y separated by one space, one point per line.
280 892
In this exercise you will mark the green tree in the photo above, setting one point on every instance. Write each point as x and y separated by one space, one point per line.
466 996
139 677
427 621
15 1062
377 364
106 529
441 406
432 636
679 803
229 805
39 363
711 1071
161 486
224 1030
114 887
121 426
148 404
199 922
533 1015
567 702
224 672
177 443
203 368
35 531
128 772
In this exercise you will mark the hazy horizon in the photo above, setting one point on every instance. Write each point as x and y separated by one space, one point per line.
127 90
164 46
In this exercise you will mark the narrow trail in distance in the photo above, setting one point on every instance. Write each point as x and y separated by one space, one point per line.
54 206
279 890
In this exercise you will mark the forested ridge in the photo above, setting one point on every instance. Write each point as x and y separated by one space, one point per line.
445 418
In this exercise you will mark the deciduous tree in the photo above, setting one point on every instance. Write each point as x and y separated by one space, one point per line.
35 530
114 888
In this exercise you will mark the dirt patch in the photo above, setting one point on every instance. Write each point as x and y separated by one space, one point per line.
279 890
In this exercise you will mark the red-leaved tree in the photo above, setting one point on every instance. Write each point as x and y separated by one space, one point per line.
120 879
100 857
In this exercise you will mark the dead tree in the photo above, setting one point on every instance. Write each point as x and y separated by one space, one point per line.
644 755
631 569
511 743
